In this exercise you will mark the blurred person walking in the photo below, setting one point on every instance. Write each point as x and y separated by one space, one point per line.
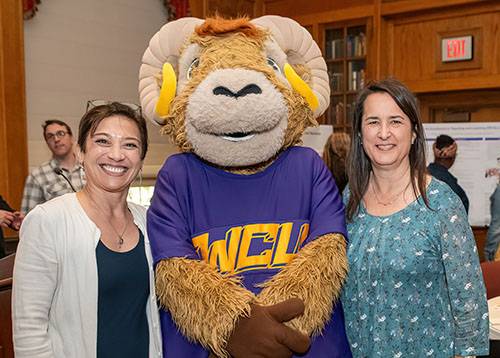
445 153
335 154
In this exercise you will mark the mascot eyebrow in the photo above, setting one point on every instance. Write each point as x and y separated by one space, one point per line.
218 26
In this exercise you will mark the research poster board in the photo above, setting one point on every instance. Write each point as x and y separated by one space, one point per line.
315 137
478 149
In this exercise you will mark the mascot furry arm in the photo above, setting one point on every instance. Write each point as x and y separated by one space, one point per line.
239 94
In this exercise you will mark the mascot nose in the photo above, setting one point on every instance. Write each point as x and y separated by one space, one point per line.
252 88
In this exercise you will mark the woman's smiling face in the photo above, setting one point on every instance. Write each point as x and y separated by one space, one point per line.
112 157
386 131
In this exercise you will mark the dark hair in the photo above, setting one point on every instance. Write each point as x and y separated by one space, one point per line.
335 157
48 122
359 165
444 141
90 121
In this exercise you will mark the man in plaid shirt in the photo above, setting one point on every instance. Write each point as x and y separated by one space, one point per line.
61 175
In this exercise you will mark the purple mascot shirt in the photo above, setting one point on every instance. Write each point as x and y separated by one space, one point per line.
251 225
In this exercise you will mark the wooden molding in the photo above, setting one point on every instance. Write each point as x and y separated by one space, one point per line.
454 84
353 13
446 13
401 7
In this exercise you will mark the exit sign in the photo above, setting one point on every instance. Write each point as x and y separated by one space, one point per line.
456 49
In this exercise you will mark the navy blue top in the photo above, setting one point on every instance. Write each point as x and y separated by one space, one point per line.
249 225
122 324
440 172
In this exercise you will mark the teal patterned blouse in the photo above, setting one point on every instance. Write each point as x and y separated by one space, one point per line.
415 287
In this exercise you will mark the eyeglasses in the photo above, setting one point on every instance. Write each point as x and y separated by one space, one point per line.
102 102
52 136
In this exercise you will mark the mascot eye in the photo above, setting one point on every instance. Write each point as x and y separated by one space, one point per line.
191 68
273 64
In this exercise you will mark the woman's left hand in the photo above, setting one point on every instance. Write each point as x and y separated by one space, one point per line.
17 221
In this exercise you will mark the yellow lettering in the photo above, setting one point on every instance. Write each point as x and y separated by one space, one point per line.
232 254
281 256
218 257
304 231
264 232
200 242
233 236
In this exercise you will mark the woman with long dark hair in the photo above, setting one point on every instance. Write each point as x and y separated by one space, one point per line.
415 286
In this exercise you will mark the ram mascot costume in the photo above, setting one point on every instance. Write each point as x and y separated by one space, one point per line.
247 228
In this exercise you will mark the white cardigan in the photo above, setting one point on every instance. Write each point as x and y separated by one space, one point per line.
54 298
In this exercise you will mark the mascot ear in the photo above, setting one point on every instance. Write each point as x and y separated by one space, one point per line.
159 62
300 48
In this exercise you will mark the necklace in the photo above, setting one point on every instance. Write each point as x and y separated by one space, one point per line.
393 198
120 236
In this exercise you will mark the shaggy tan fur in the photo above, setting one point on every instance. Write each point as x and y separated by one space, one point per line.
236 50
204 304
316 276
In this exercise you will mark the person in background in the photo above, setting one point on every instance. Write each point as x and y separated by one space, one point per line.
83 282
415 287
445 153
335 155
8 219
61 175
493 236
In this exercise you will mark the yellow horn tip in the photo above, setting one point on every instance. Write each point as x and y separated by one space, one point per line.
299 85
167 90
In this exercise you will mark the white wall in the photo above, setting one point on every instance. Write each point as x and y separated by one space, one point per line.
81 50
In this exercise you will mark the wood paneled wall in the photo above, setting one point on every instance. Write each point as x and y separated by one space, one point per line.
404 41
13 147
413 48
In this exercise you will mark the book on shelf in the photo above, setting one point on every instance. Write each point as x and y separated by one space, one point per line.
337 48
356 45
355 78
336 81
338 115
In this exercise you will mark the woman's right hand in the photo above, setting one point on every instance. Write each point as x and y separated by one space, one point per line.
6 218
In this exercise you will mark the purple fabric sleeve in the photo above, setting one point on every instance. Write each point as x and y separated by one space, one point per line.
327 209
167 230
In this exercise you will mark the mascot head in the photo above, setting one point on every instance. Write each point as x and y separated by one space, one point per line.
235 92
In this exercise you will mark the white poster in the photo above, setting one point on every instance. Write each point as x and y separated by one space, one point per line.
315 137
478 150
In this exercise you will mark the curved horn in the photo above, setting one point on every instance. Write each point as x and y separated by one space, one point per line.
299 46
163 47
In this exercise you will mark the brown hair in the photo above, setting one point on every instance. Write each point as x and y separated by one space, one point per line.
359 165
335 157
90 121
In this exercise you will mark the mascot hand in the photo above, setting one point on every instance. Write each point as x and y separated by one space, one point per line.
263 333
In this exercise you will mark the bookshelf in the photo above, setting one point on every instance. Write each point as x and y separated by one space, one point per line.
345 54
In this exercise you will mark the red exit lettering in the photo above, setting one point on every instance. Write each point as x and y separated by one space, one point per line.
456 48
